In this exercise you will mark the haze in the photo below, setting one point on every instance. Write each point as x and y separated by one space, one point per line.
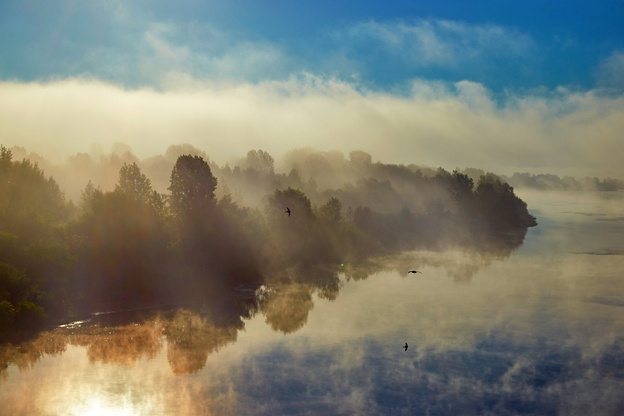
511 88
213 207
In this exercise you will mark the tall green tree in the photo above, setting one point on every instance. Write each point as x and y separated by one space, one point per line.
331 212
30 203
6 156
134 184
32 211
295 233
201 244
192 188
124 251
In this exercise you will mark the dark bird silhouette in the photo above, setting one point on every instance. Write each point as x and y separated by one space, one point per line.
405 346
414 271
287 211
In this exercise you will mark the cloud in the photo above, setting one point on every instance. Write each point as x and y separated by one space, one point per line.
162 48
373 49
202 51
125 44
610 72
433 42
436 124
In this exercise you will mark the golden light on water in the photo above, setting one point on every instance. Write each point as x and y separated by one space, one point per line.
103 406
98 381
490 319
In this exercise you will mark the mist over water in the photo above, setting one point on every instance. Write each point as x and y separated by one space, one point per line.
452 245
531 329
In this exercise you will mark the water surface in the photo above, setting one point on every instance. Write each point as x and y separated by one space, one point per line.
535 330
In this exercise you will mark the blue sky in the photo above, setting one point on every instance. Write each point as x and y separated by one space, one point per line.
501 44
551 67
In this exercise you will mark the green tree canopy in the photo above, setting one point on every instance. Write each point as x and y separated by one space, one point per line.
133 183
30 203
260 160
330 212
192 187
295 200
461 186
500 206
138 187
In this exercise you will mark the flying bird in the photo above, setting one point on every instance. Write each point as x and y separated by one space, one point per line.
405 346
414 271
287 211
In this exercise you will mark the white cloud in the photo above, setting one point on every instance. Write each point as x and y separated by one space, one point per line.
427 42
165 50
577 133
206 53
610 72
125 44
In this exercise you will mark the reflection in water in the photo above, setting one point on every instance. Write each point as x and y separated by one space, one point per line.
27 354
459 262
121 345
539 330
191 338
287 308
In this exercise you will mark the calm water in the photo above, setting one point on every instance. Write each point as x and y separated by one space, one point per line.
539 330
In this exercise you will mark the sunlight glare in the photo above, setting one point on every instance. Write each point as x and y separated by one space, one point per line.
98 406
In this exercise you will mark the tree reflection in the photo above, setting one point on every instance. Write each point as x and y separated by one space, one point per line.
461 261
287 308
191 335
25 355
191 338
121 345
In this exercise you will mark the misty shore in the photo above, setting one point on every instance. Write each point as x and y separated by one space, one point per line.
217 227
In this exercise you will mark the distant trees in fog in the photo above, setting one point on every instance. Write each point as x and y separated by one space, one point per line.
567 183
216 227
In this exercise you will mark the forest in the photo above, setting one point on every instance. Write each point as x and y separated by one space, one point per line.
203 229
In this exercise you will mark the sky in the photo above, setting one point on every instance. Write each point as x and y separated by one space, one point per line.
533 86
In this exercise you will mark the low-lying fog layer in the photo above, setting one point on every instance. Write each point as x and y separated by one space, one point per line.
571 133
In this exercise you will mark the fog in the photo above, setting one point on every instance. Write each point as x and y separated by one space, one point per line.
217 209
504 329
169 282
562 132
199 229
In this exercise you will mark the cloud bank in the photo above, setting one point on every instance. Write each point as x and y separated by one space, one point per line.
433 123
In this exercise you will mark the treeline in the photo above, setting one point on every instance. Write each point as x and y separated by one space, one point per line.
215 228
566 183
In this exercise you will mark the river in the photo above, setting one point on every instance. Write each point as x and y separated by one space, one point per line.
538 330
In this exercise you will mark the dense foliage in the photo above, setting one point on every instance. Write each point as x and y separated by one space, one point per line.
216 228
